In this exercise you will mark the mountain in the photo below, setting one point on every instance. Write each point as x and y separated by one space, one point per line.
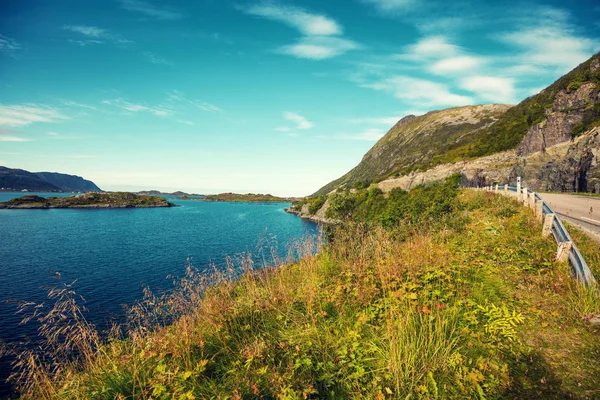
417 149
18 179
418 143
69 183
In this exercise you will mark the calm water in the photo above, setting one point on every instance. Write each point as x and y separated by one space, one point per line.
113 254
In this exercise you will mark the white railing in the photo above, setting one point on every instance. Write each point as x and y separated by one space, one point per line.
567 249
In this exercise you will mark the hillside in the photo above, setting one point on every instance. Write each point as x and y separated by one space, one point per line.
420 142
19 179
566 109
454 299
69 183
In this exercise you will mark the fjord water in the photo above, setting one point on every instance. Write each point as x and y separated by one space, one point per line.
113 253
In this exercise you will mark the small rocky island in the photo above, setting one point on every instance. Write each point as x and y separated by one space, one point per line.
243 198
88 200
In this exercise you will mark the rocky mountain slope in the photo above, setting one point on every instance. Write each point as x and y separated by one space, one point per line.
417 143
492 143
19 179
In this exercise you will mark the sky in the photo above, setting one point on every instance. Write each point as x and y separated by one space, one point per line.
277 97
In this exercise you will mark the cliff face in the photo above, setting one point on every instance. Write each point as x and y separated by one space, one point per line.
568 110
19 179
566 167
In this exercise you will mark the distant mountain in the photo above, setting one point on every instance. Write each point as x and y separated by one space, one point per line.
19 179
69 183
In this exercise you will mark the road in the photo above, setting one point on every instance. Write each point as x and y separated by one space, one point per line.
580 210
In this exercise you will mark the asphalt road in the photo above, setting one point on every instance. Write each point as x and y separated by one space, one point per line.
580 210
577 207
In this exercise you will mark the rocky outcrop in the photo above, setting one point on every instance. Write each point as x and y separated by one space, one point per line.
485 170
568 110
566 167
318 217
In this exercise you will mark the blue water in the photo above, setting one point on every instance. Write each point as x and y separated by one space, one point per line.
114 253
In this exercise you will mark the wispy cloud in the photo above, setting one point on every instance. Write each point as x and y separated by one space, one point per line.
89 31
8 45
155 59
25 114
390 6
158 111
4 138
431 47
491 88
371 135
459 64
89 35
377 120
300 121
307 23
283 129
322 36
151 10
175 96
420 92
319 47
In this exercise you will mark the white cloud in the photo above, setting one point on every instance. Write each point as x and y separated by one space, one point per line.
431 47
89 31
307 23
319 47
70 103
553 46
8 45
386 6
282 129
490 88
300 121
371 135
321 35
21 115
453 65
13 139
150 10
420 92
381 120
135 108
208 107
154 59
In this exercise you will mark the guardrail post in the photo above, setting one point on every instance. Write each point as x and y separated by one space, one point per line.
518 188
532 200
564 248
548 221
505 188
539 210
523 199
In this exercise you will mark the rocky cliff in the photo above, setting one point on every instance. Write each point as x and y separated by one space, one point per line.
69 183
19 179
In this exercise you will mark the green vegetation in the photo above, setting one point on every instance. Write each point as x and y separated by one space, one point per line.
424 142
250 197
88 200
462 299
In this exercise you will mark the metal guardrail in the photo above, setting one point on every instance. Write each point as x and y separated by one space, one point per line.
581 271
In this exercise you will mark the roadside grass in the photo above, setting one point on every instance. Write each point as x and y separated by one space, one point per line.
469 304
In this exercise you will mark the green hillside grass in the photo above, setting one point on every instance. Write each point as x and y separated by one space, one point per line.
462 301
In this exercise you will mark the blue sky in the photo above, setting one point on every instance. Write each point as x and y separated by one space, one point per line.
257 96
